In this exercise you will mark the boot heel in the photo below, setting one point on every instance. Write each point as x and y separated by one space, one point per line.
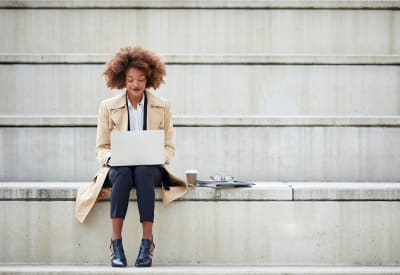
151 252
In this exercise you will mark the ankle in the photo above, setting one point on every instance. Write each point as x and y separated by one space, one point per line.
147 237
116 237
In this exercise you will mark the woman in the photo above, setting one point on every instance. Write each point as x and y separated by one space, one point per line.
135 69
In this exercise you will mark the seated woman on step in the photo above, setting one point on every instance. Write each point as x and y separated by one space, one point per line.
136 109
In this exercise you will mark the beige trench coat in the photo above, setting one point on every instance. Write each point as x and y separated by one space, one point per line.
113 116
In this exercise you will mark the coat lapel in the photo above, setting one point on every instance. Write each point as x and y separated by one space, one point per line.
155 112
119 113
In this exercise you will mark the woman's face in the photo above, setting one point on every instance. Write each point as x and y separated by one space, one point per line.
135 82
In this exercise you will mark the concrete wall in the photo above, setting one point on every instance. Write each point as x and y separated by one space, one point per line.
291 224
209 232
233 59
265 31
67 89
293 153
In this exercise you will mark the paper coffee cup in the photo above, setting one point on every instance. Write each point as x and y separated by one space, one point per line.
191 177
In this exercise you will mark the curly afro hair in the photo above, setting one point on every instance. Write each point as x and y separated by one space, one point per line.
134 57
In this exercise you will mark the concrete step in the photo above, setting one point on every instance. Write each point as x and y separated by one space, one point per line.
230 31
293 223
208 59
261 191
202 4
275 149
237 86
205 270
211 121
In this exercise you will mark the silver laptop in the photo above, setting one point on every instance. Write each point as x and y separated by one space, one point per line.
137 148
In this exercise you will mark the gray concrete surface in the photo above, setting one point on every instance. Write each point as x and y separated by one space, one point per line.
209 232
234 89
207 59
37 217
248 153
211 121
204 270
230 31
345 191
362 4
261 191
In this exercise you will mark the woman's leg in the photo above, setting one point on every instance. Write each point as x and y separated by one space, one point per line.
121 180
146 178
117 224
147 228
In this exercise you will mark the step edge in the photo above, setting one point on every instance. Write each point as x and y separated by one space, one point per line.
262 191
202 4
211 59
210 121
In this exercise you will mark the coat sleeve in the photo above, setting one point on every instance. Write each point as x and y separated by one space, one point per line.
103 135
169 134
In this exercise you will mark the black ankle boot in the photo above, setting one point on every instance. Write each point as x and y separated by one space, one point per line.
144 258
117 252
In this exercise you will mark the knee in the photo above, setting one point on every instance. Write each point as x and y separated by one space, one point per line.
144 171
120 172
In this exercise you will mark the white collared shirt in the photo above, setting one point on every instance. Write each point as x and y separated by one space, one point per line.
136 115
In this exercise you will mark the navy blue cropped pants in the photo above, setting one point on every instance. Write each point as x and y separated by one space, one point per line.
144 178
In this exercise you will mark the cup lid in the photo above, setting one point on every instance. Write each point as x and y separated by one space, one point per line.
191 171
